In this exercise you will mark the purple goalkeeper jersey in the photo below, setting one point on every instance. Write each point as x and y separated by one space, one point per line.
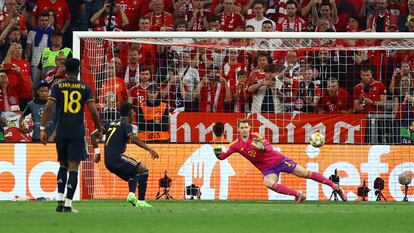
262 160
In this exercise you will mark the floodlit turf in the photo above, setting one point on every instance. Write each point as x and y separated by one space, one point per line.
209 216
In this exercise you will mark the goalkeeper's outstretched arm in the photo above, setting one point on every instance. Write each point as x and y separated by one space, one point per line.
222 153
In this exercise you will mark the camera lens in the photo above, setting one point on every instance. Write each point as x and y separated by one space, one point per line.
274 79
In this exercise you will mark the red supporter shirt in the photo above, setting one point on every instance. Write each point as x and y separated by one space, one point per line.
102 21
60 8
208 100
22 88
231 22
229 72
22 21
132 10
262 160
115 86
8 98
341 102
374 92
198 22
297 26
138 95
157 21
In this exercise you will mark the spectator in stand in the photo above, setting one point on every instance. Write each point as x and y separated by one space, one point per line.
240 102
214 23
335 99
180 25
292 64
113 84
397 75
100 20
327 10
231 67
370 96
323 25
175 91
132 10
138 92
382 19
160 19
59 7
9 100
346 10
144 24
262 60
259 9
20 70
306 94
167 58
36 107
213 92
291 21
190 78
153 117
198 16
267 93
131 77
38 39
276 10
404 19
58 73
48 58
11 15
401 91
326 67
109 112
181 7
91 7
267 26
230 19
9 36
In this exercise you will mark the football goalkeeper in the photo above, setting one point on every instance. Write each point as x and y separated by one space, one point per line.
118 133
260 153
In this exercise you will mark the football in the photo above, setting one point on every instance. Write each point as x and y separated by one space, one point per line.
317 139
27 125
405 178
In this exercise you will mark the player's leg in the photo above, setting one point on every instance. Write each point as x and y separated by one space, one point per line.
302 172
71 186
142 174
62 175
271 180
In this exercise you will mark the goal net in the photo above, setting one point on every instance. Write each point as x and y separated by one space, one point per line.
354 88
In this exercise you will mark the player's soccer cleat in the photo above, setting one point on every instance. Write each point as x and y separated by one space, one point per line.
69 209
60 205
132 199
143 204
300 197
342 194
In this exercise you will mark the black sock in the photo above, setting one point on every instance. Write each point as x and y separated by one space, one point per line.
132 183
72 183
142 186
62 177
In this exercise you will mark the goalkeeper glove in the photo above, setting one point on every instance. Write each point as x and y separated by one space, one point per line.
217 151
258 143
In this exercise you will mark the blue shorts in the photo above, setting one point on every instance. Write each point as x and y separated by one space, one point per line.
286 165
71 149
124 168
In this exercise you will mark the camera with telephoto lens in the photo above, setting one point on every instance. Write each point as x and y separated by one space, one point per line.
214 78
111 3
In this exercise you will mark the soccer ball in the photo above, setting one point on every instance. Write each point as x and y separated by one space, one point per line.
27 125
317 139
405 178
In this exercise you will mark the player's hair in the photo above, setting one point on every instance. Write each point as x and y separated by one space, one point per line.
72 65
242 121
218 129
125 109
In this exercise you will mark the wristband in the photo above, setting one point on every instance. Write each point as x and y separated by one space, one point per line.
42 128
97 151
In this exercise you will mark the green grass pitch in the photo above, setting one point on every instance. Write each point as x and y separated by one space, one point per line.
209 216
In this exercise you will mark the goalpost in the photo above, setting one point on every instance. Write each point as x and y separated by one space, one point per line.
360 147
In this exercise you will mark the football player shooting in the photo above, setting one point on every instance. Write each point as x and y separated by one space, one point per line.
69 96
271 163
118 133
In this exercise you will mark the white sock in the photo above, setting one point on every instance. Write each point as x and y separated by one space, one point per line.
131 193
68 203
60 197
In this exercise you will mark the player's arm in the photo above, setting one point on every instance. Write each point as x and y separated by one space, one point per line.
138 142
51 103
25 112
95 139
261 143
221 154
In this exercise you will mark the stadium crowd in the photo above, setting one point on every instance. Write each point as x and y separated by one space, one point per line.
36 38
